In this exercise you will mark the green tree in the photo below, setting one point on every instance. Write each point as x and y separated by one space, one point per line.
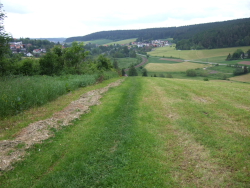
48 64
229 57
191 73
144 72
132 71
27 67
237 54
74 57
123 72
103 63
115 64
248 54
4 44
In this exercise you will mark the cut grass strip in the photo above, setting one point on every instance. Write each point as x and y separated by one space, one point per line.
109 147
12 125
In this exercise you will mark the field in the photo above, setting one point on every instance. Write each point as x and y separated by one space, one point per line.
126 62
100 41
110 42
242 78
127 41
147 132
176 67
195 54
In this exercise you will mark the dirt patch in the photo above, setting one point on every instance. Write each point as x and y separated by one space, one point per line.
213 72
244 62
176 60
14 150
205 100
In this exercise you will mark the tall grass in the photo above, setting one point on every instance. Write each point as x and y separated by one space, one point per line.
21 93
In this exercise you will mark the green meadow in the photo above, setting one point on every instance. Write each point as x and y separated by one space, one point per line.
173 67
126 62
147 132
196 54
99 41
127 41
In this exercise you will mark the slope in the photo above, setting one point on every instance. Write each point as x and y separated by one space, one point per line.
148 132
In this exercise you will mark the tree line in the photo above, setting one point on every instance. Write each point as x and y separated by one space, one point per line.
57 61
200 36
227 35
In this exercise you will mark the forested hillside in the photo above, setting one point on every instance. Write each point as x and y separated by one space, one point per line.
210 35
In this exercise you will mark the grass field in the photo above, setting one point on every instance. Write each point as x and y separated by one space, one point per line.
176 67
126 62
242 78
196 54
100 41
153 59
127 41
148 132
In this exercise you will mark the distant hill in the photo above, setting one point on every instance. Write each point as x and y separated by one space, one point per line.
55 40
200 36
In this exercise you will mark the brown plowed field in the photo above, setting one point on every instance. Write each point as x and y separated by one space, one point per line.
244 62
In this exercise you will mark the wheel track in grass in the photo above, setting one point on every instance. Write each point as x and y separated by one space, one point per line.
14 150
197 167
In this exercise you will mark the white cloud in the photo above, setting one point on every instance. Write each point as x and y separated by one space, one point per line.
61 18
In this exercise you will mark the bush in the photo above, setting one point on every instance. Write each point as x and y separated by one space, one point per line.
132 71
144 72
205 79
169 75
191 73
240 71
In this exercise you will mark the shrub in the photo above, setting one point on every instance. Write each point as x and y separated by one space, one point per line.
132 71
191 73
144 72
169 75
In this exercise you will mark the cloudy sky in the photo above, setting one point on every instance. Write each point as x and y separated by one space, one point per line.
61 18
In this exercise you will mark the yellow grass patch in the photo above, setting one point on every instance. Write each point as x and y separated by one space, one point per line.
242 78
178 67
194 54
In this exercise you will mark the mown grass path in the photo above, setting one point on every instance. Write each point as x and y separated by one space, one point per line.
149 132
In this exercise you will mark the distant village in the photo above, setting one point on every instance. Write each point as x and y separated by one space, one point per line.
153 43
19 47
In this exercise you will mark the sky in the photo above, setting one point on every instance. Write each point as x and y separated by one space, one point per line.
61 18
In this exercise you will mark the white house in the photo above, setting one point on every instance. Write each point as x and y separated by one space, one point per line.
29 55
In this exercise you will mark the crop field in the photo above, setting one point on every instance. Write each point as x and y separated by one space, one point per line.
147 132
242 78
126 62
127 41
195 54
176 67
